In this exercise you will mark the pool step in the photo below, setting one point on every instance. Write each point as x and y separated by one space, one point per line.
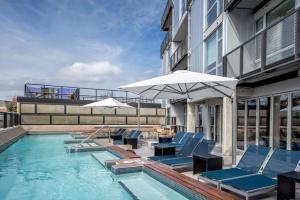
76 141
125 165
79 136
84 147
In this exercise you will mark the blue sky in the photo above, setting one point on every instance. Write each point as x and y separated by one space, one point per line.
87 43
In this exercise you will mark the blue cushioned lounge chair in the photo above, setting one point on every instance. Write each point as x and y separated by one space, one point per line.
281 161
204 147
250 163
119 134
187 137
186 150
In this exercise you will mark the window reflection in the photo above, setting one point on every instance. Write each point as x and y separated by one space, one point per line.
264 121
251 129
241 125
280 121
295 145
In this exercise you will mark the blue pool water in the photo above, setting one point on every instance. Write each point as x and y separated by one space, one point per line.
38 167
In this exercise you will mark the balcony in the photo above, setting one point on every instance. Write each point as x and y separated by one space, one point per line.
165 43
276 47
166 19
178 60
254 5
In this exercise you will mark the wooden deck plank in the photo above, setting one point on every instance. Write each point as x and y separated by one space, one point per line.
123 153
202 188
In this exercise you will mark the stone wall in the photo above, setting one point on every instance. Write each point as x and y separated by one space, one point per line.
9 136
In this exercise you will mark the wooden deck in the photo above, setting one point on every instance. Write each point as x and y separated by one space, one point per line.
204 189
123 152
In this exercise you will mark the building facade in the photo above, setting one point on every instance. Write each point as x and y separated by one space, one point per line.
256 42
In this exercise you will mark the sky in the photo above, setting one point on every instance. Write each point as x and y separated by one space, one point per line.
83 43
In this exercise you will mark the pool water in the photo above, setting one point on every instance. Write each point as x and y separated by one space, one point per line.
38 167
147 188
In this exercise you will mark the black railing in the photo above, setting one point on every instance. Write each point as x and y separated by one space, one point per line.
179 54
165 43
275 45
9 119
165 15
171 121
76 93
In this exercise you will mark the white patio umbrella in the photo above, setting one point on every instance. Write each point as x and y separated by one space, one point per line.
184 84
108 103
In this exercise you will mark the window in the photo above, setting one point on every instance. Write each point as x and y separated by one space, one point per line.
264 121
280 11
295 145
280 121
251 116
241 125
213 9
214 56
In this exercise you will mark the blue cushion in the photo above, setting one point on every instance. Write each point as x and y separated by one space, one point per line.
177 161
250 183
225 174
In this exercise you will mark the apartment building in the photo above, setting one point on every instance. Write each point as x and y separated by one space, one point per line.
255 41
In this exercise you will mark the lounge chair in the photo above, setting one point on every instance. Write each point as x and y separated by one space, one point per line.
186 137
120 140
119 134
204 147
250 163
132 139
281 161
186 150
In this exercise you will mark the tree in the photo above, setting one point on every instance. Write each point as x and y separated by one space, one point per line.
12 107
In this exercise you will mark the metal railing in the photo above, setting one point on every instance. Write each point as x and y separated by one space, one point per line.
178 55
165 43
165 15
9 119
171 121
76 93
274 45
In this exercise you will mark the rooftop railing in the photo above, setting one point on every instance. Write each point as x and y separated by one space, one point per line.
275 45
78 93
166 14
9 119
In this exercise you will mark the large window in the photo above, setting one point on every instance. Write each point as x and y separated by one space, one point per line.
214 48
213 9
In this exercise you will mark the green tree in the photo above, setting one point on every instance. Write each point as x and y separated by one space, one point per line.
12 107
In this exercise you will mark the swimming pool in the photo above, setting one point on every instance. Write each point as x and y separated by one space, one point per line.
38 167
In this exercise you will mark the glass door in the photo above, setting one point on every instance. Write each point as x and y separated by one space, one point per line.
280 121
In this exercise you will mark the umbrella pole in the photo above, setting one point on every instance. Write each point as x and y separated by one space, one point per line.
139 117
108 133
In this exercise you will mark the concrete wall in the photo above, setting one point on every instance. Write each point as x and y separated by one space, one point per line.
9 136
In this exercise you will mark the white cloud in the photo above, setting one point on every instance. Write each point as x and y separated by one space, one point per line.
92 71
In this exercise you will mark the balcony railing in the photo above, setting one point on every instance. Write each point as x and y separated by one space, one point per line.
275 45
165 42
78 93
166 14
179 54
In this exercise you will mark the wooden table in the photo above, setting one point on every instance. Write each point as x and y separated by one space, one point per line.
206 162
286 184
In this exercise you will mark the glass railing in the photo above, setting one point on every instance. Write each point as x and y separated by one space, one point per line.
166 14
178 55
273 45
165 42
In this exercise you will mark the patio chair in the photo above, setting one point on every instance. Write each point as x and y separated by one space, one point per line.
281 161
119 134
186 150
132 139
250 163
120 140
204 147
186 137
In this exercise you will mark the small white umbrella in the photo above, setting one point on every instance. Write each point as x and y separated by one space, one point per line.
184 84
108 103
